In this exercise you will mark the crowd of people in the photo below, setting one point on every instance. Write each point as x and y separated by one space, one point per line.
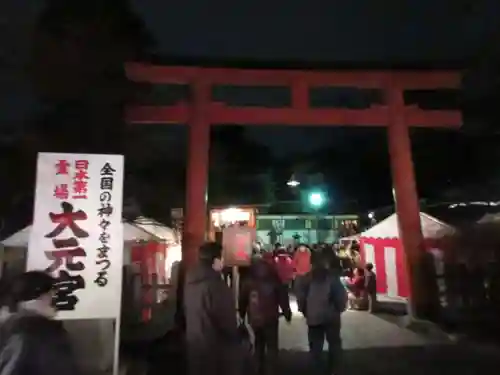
322 289
292 263
217 327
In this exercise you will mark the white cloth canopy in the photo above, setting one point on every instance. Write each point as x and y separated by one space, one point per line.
389 228
142 229
490 218
156 229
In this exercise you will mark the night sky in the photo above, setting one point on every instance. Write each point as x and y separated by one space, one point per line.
366 32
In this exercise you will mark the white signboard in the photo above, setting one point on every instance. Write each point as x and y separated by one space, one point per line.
77 233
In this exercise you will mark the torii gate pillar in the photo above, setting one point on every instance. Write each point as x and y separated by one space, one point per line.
195 216
406 198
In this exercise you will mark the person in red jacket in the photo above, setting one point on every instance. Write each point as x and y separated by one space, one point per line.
301 264
357 290
302 261
284 266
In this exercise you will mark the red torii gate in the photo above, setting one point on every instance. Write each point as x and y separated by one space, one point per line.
201 112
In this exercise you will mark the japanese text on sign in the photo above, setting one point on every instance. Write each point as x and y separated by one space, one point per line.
77 234
67 254
104 212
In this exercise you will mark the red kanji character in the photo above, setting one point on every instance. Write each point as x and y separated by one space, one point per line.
62 167
241 255
241 246
58 256
82 164
81 174
61 191
67 219
64 243
80 187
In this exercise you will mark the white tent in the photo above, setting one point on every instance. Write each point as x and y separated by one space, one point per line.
142 229
389 228
490 218
381 246
156 229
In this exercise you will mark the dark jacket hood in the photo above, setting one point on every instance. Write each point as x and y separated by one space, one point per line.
201 273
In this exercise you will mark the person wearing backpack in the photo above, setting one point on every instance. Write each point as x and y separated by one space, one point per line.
211 321
261 297
322 298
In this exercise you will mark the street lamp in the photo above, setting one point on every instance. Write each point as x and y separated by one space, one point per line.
293 182
316 199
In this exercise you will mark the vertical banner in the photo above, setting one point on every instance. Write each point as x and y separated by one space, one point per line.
237 244
77 234
149 258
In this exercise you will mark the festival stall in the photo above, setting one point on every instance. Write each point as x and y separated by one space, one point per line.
139 231
149 248
381 245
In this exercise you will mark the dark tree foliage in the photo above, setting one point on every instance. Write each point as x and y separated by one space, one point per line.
479 158
77 72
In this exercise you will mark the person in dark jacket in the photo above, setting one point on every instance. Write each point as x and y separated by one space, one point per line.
31 341
261 297
210 311
371 287
322 298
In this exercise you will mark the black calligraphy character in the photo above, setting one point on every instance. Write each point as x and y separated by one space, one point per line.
106 262
67 219
105 196
103 251
101 279
107 183
59 256
106 209
104 224
66 285
104 237
107 170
